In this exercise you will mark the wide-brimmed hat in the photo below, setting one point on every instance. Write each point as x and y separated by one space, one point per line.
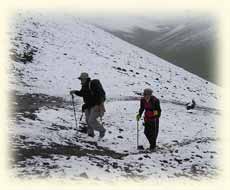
83 76
148 91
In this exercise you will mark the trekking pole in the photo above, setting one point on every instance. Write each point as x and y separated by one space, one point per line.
137 135
155 121
75 117
139 147
81 116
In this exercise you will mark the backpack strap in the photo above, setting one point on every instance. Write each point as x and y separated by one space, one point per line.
90 86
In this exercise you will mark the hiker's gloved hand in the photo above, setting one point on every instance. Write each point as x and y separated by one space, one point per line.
138 117
83 108
155 113
72 92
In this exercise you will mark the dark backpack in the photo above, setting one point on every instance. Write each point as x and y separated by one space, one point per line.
97 90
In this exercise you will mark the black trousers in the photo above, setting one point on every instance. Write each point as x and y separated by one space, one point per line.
151 131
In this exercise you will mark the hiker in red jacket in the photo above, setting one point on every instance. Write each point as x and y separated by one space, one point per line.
151 105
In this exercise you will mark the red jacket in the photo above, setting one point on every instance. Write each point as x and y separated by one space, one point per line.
149 108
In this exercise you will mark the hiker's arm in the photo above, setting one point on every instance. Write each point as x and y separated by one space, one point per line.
76 92
158 108
80 93
141 110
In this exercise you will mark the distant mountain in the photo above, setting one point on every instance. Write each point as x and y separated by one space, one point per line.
187 42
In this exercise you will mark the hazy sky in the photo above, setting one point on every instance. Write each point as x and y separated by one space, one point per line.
150 22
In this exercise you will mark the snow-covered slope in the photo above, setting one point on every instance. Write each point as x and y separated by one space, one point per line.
48 54
186 40
66 47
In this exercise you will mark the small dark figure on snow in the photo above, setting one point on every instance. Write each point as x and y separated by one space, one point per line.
94 97
191 105
151 105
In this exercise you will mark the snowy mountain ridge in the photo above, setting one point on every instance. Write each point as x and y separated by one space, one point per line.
91 49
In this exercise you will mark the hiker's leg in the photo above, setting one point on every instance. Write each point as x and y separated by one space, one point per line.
146 132
90 130
149 132
87 116
94 115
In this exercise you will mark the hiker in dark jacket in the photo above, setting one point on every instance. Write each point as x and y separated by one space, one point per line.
93 97
151 105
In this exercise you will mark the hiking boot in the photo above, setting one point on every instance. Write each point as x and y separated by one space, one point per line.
90 132
102 134
152 148
91 135
83 129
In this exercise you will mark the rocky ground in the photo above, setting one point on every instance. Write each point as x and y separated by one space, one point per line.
41 156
